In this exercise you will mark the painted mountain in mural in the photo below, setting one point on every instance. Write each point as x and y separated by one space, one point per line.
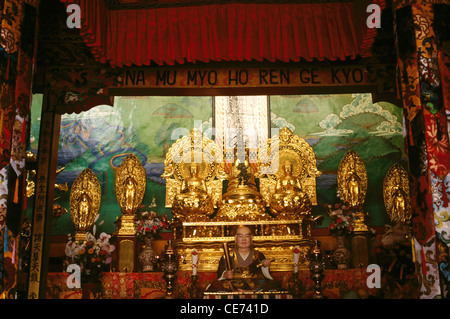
331 149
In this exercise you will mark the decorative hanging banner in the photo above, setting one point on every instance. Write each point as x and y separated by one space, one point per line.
244 77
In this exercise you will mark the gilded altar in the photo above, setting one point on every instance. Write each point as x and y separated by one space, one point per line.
271 189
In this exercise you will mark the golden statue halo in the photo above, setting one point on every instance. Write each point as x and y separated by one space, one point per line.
86 187
192 149
199 150
396 178
296 161
130 169
295 149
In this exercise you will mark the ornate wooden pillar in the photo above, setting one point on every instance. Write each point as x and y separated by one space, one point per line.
44 193
426 137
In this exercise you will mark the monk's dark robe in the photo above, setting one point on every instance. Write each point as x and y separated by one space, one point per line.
247 268
247 275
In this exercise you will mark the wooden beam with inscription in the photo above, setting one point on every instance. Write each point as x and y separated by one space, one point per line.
244 77
43 204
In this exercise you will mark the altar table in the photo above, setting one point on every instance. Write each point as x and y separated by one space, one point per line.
151 285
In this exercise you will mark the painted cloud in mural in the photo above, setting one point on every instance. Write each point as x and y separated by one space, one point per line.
361 104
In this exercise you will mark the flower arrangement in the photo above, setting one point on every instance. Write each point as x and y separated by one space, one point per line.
342 217
93 255
149 224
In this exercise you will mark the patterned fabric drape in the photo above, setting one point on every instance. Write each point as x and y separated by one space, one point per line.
17 52
422 75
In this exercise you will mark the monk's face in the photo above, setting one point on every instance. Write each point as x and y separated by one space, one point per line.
243 237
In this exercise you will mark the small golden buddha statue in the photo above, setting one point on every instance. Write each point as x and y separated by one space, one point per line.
84 206
193 199
85 197
289 200
399 200
129 194
399 207
352 191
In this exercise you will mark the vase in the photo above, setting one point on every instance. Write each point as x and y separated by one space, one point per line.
147 256
341 256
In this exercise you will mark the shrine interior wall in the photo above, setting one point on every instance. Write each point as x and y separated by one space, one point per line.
147 125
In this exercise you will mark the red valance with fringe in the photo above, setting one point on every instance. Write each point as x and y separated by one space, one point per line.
223 32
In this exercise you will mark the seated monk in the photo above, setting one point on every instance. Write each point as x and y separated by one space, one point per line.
249 268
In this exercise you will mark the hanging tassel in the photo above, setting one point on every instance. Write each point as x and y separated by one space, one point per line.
16 192
424 267
411 138
24 133
413 250
13 259
7 69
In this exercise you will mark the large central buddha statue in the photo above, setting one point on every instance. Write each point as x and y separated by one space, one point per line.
242 201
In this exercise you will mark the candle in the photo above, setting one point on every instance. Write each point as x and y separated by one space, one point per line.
296 258
194 262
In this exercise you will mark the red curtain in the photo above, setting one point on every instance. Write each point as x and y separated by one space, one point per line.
220 32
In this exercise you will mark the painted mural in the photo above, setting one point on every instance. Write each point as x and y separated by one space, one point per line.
334 124
147 126
101 138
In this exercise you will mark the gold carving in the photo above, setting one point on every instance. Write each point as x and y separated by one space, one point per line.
242 201
352 186
130 190
193 177
280 252
396 194
85 198
126 257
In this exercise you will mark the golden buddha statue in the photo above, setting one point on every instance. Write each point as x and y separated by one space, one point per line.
396 194
289 200
352 186
84 206
398 199
85 196
193 200
129 194
130 190
351 192
352 179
